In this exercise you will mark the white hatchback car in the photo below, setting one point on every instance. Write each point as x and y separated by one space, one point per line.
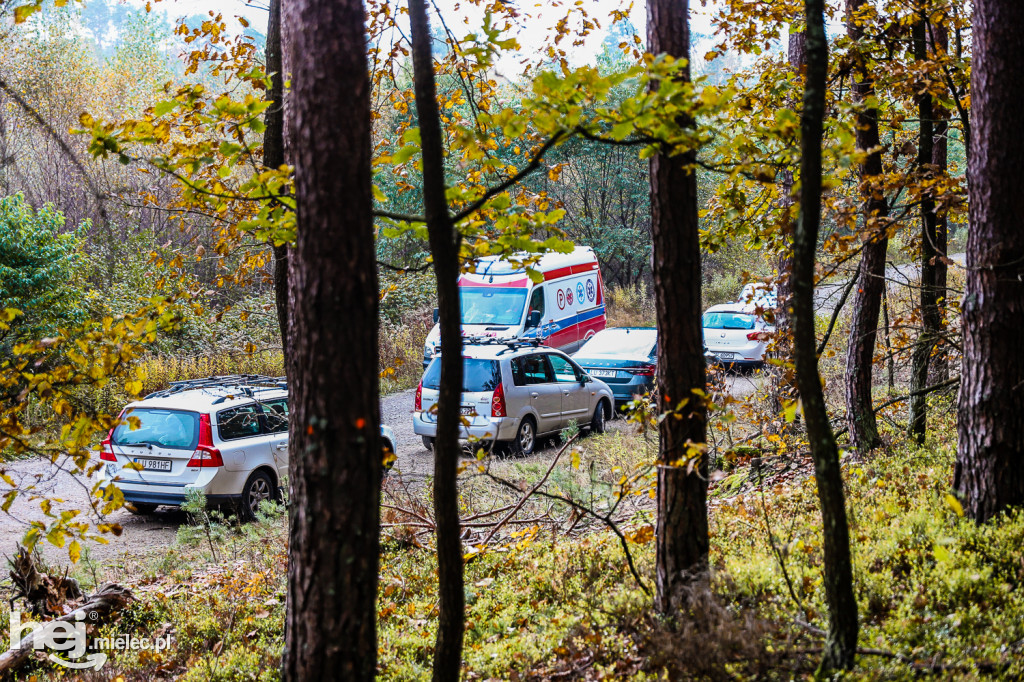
735 334
224 436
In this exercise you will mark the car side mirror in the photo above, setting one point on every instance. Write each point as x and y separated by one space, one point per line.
437 315
533 319
585 379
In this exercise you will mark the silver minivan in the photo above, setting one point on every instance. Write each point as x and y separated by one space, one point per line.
513 393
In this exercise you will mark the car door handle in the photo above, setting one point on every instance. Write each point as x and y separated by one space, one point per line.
535 394
565 392
282 446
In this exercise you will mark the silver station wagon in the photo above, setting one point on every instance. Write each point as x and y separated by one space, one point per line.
514 392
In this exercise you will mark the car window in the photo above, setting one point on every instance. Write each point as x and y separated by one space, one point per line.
728 321
276 413
564 372
478 375
537 302
492 305
531 369
238 422
173 429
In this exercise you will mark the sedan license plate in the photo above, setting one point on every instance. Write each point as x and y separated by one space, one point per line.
725 356
154 464
603 373
467 411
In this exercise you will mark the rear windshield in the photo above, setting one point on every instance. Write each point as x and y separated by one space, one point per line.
620 342
174 429
728 321
478 375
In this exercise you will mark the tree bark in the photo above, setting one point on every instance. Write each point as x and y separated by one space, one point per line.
940 160
444 245
273 157
841 642
867 300
989 473
334 430
930 319
780 386
682 530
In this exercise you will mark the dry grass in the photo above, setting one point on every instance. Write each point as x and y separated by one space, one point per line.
631 306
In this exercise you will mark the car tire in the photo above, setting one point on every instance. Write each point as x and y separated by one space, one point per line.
428 443
526 438
597 422
258 487
140 508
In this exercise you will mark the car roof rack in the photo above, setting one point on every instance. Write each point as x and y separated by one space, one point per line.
511 344
244 382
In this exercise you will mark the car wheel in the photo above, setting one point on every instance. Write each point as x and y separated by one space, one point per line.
597 422
259 487
140 508
526 438
428 443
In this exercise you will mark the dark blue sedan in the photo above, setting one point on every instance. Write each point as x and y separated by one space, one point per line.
625 358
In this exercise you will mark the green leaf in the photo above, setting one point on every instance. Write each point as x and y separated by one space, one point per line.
161 108
404 154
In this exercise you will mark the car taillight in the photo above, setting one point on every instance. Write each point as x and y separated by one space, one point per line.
418 403
107 448
205 456
644 370
757 336
498 402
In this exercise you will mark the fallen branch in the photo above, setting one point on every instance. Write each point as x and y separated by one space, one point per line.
531 491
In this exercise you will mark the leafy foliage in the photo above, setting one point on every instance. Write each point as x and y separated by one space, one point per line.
41 270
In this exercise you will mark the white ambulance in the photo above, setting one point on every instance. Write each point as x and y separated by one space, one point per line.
499 300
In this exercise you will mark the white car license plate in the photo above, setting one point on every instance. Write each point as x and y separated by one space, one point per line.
725 356
467 411
154 464
603 373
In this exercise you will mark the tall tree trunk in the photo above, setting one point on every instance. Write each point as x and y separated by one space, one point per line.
334 430
841 642
682 533
989 472
867 300
780 378
930 319
940 161
273 157
444 245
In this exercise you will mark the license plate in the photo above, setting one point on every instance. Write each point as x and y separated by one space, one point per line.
725 356
154 464
603 373
467 411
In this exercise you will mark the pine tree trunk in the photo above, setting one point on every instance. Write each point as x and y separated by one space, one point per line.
444 245
940 160
867 299
334 428
780 384
930 320
273 157
989 474
841 642
682 532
